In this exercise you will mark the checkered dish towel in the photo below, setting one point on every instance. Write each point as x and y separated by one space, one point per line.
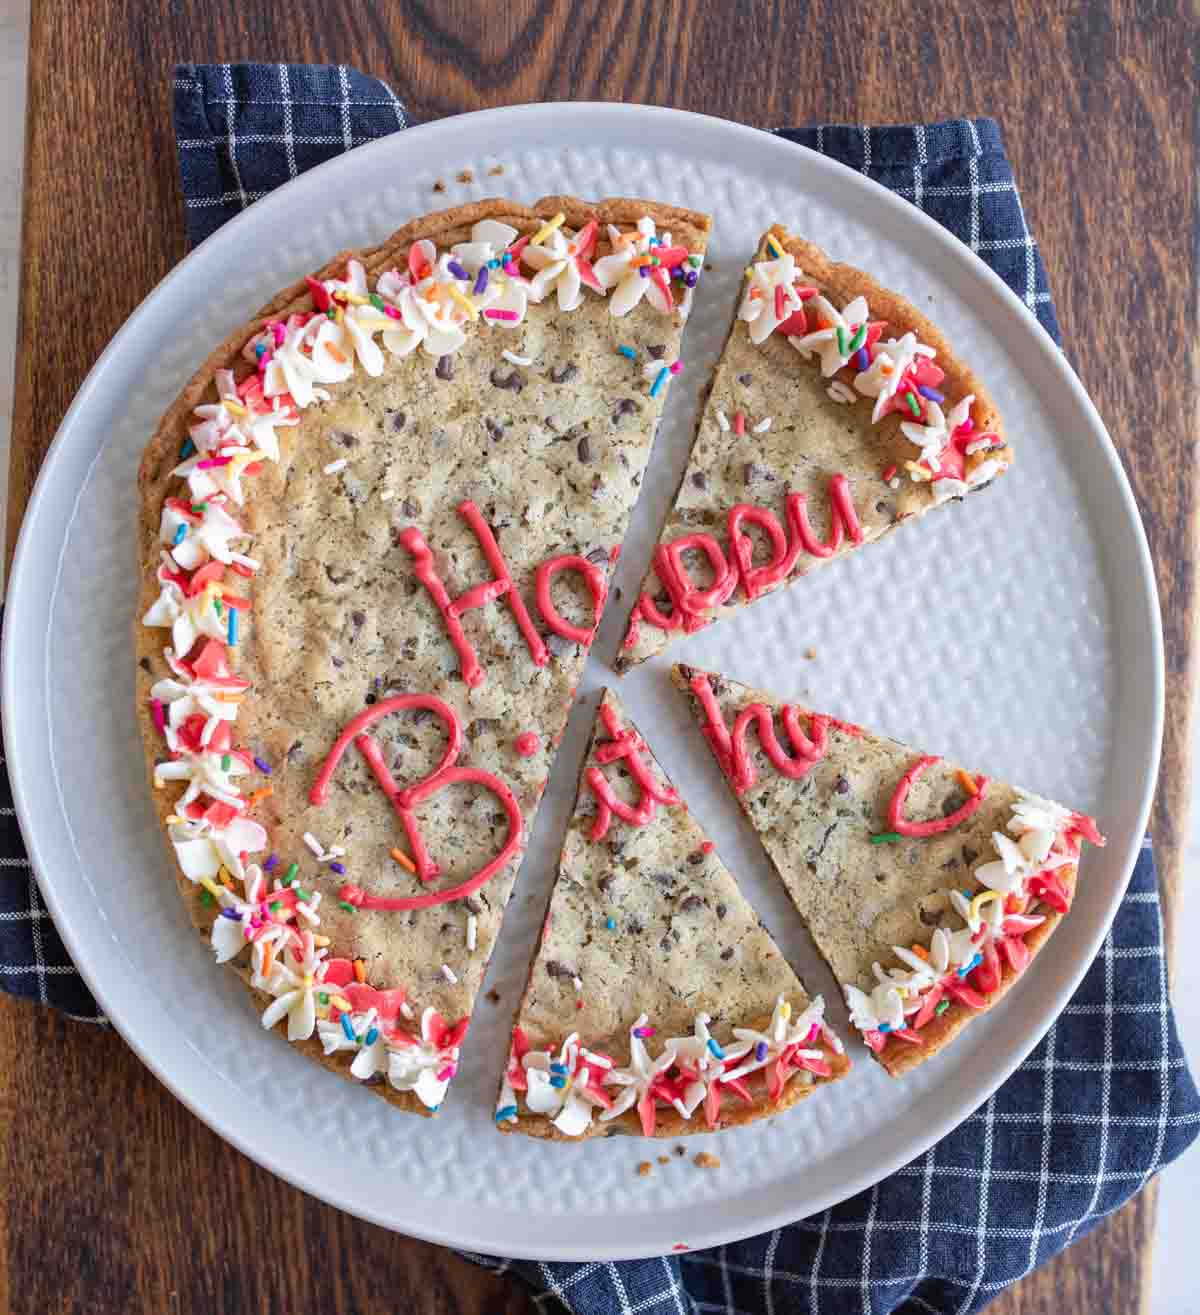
1106 1099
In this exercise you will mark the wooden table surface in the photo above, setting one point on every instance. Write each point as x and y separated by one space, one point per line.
113 1197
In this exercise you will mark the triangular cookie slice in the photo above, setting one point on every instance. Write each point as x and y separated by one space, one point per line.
375 535
657 1001
927 888
837 412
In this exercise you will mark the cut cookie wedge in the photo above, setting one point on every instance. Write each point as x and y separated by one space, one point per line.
837 412
375 533
926 888
657 1002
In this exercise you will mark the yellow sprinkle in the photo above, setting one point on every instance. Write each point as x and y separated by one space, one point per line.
340 315
786 1011
211 886
921 952
773 247
749 271
340 1002
547 228
967 782
226 879
465 302
308 981
984 897
355 299
172 819
235 408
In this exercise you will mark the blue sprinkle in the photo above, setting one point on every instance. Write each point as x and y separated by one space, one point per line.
760 1051
187 450
558 1068
863 359
233 625
931 393
611 924
884 1027
716 1049
506 1112
180 534
663 375
371 1037
556 1081
264 767
493 264
231 914
260 349
656 241
970 967
457 270
348 1027
481 280
339 868
629 352
271 863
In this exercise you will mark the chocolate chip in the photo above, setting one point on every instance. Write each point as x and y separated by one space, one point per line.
343 437
726 955
695 857
472 905
144 663
598 557
512 380
969 855
396 421
494 427
556 969
841 785
635 926
371 698
657 351
886 509
663 878
294 752
700 479
358 619
561 374
584 449
745 379
692 902
445 367
333 577
606 883
952 802
665 943
409 652
624 406
950 864
411 507
930 919
721 910
483 726
337 662
492 997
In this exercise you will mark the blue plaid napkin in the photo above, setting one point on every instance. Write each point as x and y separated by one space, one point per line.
1099 1107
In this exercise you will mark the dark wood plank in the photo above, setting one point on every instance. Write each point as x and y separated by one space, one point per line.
112 1196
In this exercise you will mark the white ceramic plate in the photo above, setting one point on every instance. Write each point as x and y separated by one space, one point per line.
1018 632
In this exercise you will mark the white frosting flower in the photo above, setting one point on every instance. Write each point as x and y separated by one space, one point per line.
832 343
230 421
554 261
209 539
188 617
759 302
640 1074
882 378
758 1049
416 1067
618 271
558 1087
205 774
366 1037
201 849
182 698
294 988
489 238
937 431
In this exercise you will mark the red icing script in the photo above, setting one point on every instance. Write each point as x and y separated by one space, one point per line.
920 830
406 800
730 749
690 603
624 746
501 585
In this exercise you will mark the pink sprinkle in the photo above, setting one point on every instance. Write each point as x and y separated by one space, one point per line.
676 367
447 1073
213 461
814 1032
279 333
644 1031
159 715
392 313
263 361
500 314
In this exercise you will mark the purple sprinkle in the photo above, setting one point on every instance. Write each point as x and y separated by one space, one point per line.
760 1052
457 270
481 280
264 767
271 863
931 393
339 868
691 278
375 684
863 359
644 271
232 914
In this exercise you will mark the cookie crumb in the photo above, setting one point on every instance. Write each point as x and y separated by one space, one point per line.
645 1169
679 1150
664 1159
466 176
439 186
703 1160
810 653
495 170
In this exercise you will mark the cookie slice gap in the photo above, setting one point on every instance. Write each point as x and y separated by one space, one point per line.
838 411
657 1003
926 888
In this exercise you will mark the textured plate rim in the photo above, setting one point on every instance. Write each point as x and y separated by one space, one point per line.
34 782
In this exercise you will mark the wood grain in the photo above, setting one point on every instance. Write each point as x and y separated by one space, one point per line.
113 1198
